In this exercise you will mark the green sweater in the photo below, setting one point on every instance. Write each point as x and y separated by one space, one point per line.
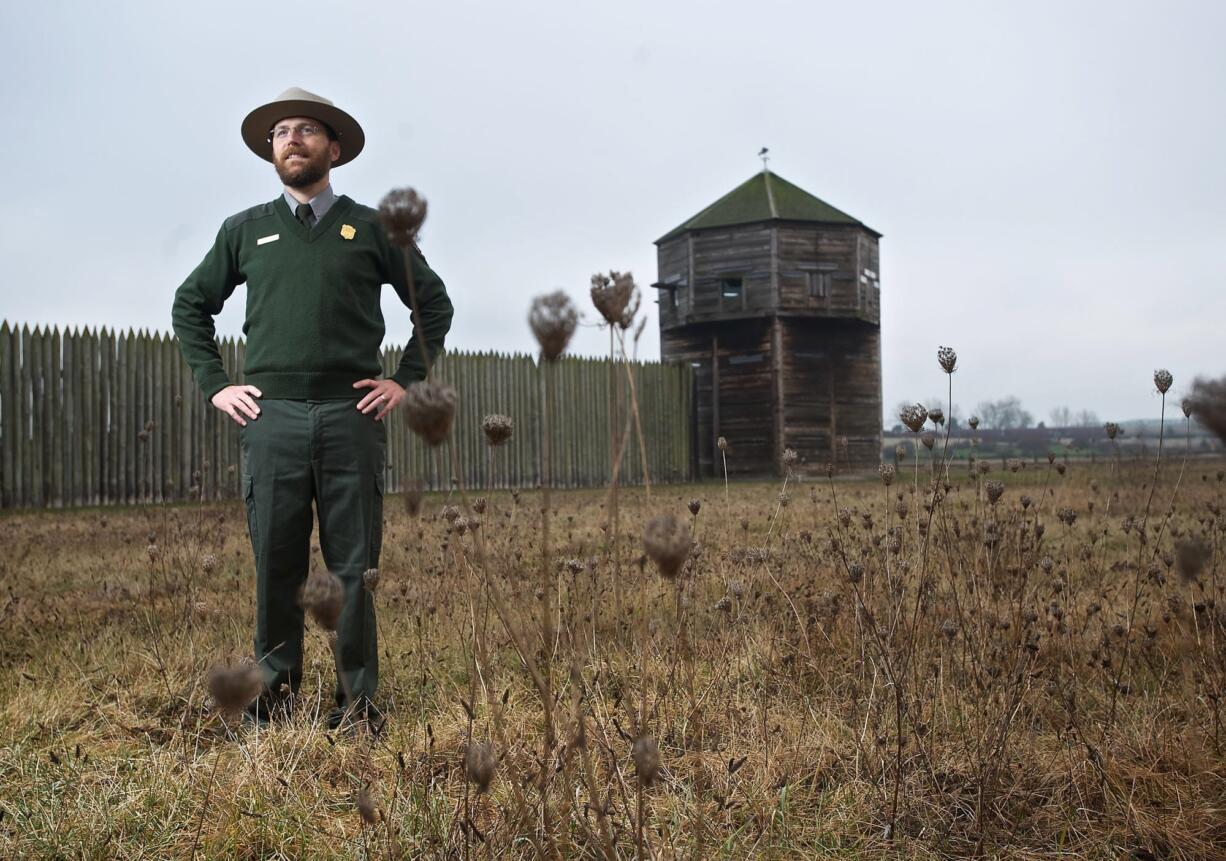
313 325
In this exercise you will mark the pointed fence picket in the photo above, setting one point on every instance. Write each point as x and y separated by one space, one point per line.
105 417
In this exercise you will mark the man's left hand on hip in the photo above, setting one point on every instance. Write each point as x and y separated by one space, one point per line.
384 395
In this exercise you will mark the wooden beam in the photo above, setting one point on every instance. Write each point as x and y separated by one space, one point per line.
833 419
777 379
714 387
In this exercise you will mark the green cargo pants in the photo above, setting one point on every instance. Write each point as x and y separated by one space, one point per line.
297 452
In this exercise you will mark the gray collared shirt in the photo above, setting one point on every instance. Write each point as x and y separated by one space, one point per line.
320 203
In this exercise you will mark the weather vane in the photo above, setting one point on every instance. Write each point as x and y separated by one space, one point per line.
762 154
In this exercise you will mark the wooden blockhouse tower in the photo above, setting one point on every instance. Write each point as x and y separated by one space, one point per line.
774 297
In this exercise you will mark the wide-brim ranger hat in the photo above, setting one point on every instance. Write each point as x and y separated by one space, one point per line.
297 102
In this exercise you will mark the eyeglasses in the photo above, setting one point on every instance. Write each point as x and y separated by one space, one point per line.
306 131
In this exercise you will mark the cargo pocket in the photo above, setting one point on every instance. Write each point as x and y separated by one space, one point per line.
376 517
252 521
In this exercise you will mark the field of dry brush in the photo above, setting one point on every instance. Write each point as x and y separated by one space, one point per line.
1022 662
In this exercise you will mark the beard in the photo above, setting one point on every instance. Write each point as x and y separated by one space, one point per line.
302 173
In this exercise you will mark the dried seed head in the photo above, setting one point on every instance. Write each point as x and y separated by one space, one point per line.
994 490
1186 406
616 297
323 596
721 444
947 359
1191 554
887 472
914 417
1025 500
973 421
1014 464
480 504
479 764
936 415
208 563
366 807
695 506
497 429
1067 516
855 572
900 451
553 319
790 457
983 466
1209 405
646 755
1112 429
402 212
1163 380
950 629
430 409
667 542
628 315
233 688
370 580
413 498
450 513
928 440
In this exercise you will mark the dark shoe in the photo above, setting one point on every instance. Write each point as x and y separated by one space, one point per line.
364 715
269 707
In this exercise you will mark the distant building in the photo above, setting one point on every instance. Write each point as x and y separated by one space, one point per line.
774 297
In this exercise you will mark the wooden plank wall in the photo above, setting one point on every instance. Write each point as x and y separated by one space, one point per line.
843 252
673 266
99 417
832 384
743 252
745 393
818 388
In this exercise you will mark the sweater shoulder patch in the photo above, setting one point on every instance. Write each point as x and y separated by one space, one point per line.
263 210
358 212
364 213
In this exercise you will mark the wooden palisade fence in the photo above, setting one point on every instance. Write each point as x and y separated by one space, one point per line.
103 417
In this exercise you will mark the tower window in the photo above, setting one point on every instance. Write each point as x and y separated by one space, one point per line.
732 292
819 285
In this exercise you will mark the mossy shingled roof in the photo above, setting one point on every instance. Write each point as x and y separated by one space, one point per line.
765 196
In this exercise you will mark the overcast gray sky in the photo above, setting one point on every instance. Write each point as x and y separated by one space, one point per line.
1049 177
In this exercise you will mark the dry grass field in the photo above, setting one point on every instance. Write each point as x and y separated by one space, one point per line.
1027 662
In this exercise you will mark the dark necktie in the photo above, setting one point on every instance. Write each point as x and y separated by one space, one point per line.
304 214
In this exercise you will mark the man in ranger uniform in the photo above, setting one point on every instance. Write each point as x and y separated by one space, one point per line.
311 407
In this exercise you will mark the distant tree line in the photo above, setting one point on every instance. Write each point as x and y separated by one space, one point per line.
1004 414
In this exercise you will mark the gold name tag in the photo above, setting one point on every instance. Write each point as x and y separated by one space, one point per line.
263 240
347 231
